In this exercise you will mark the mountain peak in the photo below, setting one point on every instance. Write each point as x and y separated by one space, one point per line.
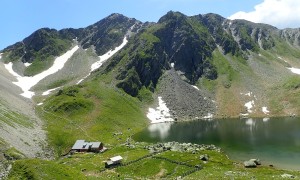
171 15
115 15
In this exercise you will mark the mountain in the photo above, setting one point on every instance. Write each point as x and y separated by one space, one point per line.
223 58
182 67
21 127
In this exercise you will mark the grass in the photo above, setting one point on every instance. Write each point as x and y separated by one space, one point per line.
292 83
284 97
88 166
42 169
224 67
58 83
14 153
226 74
39 66
93 112
145 95
283 49
12 118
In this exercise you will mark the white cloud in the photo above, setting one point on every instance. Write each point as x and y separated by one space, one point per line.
279 13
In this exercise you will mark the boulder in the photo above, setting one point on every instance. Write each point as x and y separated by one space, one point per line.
204 157
256 161
287 176
249 164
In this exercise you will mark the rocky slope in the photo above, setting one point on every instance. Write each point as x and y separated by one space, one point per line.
227 58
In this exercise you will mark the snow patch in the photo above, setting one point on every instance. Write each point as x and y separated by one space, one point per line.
295 70
249 105
9 68
1 55
82 79
27 64
247 94
104 58
26 82
49 91
39 104
265 110
196 87
159 114
255 97
107 55
208 116
244 115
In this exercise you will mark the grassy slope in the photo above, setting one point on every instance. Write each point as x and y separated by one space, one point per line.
95 111
285 96
228 85
279 91
88 166
41 169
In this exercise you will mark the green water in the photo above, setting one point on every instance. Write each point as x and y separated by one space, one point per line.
274 141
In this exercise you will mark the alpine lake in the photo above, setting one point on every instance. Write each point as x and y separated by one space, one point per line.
275 141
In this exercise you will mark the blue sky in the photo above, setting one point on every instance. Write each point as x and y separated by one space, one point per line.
20 18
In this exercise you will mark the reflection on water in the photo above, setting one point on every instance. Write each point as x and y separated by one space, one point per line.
266 119
160 129
275 141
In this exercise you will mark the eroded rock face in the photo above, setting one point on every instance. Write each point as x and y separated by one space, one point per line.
107 33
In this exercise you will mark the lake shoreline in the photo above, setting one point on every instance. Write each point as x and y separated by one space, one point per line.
272 140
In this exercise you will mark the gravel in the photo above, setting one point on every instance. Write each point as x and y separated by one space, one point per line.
184 101
31 141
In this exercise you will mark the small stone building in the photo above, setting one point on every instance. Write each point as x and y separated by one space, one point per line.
113 161
83 146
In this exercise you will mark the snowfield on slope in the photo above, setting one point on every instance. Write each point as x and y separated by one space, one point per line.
295 70
26 82
27 64
160 114
104 58
249 105
265 110
49 91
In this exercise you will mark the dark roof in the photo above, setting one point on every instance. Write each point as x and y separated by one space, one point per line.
82 144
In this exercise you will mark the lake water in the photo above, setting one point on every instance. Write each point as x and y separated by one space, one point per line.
274 141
